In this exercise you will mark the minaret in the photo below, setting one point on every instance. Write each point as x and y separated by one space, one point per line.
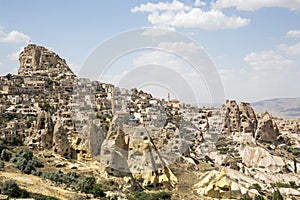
113 100
168 97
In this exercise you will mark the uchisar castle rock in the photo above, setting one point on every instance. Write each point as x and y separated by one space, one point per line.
72 138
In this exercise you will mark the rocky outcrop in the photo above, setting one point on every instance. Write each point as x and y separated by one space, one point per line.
134 154
232 117
259 158
79 150
114 150
61 144
240 118
92 137
248 118
216 184
267 130
43 131
37 60
145 162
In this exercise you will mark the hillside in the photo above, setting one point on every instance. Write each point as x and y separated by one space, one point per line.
288 108
67 137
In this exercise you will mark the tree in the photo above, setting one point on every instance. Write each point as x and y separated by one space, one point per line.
8 76
25 161
259 197
5 155
277 195
11 189
97 191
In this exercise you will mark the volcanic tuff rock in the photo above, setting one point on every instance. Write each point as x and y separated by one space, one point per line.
242 119
154 139
135 154
267 130
61 144
232 117
37 60
259 158
218 185
248 118
114 150
43 131
239 118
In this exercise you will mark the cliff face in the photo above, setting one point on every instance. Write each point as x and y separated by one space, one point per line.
37 60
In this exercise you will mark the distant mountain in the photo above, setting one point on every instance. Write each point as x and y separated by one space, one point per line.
281 107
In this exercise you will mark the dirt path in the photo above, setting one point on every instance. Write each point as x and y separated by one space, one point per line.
35 184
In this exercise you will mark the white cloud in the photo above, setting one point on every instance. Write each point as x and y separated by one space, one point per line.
265 75
13 37
15 55
292 50
161 6
268 61
293 33
199 3
251 5
177 14
196 18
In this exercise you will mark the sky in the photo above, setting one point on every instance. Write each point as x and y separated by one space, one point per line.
254 44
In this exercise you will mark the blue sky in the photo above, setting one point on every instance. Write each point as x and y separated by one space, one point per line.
254 44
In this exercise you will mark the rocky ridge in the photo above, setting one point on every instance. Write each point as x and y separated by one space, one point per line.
139 142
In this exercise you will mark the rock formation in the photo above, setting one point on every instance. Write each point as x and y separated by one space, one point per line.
37 60
259 158
92 137
239 118
43 131
114 150
248 118
232 117
216 184
267 130
61 144
135 154
145 162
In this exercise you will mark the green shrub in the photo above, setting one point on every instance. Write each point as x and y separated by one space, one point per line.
70 179
97 191
259 197
2 164
25 161
15 141
5 155
256 187
140 195
43 197
11 189
88 185
291 184
277 195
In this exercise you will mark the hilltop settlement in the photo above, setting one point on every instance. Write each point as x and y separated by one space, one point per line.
67 137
